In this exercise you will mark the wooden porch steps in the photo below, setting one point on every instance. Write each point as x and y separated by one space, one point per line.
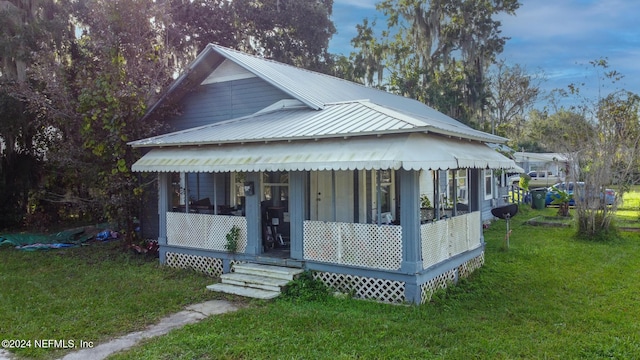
256 280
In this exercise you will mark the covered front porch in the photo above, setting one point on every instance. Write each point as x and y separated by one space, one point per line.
334 230
354 216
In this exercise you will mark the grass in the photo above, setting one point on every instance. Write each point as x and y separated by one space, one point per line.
89 293
631 199
551 221
549 296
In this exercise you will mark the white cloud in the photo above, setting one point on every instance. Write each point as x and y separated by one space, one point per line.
561 37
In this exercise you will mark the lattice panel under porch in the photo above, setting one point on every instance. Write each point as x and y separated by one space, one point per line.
445 238
208 265
364 287
470 266
443 280
204 231
365 245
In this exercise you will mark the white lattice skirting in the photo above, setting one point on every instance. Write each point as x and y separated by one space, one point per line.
443 280
208 265
365 245
204 231
364 287
446 238
391 291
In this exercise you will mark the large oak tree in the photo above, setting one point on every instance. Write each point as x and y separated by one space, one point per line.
436 51
80 74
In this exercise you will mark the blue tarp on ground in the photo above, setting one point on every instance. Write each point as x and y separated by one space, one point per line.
59 240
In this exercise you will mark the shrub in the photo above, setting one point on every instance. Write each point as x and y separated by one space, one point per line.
595 226
233 236
306 288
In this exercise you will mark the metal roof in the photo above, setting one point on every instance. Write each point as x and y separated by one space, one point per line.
288 120
315 90
414 151
541 157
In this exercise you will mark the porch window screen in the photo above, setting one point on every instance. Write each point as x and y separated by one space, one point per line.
275 185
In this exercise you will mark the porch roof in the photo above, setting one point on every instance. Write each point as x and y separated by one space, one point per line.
410 151
289 120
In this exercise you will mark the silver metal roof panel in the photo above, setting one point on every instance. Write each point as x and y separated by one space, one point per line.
335 120
335 107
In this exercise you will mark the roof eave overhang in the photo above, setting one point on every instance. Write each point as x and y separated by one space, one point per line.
400 151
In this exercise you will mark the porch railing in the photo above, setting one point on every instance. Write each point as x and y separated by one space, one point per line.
446 238
204 231
366 245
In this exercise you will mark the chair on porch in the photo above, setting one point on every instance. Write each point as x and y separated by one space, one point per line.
274 222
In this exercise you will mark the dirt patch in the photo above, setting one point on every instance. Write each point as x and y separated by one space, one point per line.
550 221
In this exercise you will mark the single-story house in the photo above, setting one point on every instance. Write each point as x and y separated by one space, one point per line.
318 173
556 163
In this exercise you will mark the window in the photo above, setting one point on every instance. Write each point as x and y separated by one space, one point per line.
237 195
275 186
488 184
386 191
383 190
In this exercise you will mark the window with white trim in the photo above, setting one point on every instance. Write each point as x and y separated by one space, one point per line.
488 184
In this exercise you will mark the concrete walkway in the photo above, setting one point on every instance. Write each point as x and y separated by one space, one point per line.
190 315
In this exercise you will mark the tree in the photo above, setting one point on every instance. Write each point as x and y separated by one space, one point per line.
420 46
607 156
77 76
513 91
27 27
295 32
123 62
196 23
565 131
610 158
368 62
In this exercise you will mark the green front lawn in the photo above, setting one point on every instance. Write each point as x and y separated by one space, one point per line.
90 293
548 296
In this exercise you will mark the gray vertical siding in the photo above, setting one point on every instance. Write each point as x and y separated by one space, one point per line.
217 102
486 210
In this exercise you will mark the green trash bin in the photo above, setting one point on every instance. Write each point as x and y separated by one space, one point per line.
538 198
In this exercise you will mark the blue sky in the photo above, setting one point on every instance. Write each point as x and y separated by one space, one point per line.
557 37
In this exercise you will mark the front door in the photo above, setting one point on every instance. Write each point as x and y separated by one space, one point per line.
332 196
